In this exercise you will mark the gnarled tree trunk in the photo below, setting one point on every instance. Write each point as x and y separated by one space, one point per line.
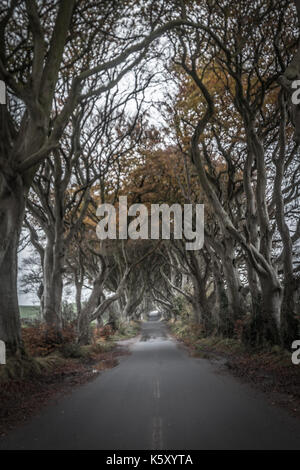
11 217
53 285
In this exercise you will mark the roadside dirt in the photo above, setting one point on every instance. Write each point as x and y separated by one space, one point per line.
278 378
22 398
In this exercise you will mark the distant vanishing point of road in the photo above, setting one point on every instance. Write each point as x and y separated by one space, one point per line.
159 398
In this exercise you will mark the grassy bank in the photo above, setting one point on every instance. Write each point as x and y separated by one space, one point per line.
127 331
270 368
28 384
50 369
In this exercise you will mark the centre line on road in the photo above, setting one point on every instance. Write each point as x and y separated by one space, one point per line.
156 390
157 438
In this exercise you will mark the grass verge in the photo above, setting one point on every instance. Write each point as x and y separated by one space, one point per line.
28 384
269 369
127 331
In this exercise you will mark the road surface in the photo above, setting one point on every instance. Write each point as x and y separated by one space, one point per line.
159 398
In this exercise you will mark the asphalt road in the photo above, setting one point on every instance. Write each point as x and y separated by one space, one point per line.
159 398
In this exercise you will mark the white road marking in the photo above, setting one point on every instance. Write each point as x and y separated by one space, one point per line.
157 440
156 391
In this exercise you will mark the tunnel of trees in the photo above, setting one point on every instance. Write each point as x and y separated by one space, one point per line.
164 102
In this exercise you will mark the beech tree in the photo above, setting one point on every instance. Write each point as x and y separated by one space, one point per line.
231 142
43 56
248 86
